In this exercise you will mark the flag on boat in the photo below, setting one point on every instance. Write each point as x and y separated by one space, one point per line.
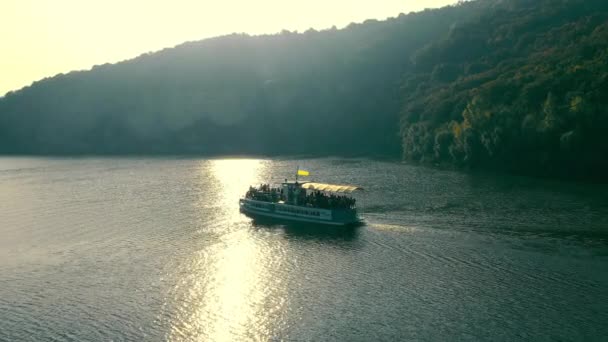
303 173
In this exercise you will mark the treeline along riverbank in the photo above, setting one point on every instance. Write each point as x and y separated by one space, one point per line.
515 85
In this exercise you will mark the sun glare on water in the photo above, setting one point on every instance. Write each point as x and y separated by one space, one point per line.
234 176
231 292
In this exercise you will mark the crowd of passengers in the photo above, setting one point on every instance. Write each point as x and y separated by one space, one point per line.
265 193
318 199
315 199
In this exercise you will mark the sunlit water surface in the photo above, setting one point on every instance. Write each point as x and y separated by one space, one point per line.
155 249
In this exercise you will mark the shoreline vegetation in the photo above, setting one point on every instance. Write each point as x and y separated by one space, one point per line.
518 86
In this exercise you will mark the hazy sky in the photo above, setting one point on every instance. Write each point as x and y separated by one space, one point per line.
40 38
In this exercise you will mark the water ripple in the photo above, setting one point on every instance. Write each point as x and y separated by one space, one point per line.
155 249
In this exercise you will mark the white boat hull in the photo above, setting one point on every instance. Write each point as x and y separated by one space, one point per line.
298 213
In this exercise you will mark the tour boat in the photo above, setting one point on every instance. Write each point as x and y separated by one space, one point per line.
303 201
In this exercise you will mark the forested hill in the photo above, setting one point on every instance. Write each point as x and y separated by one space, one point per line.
518 85
319 93
521 86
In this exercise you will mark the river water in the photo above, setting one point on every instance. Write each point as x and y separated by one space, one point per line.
102 249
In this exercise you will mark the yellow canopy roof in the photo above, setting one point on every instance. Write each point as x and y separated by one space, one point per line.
330 187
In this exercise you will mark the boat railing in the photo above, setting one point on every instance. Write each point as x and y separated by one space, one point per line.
312 200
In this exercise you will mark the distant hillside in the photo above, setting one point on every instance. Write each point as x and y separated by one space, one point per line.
329 92
519 85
